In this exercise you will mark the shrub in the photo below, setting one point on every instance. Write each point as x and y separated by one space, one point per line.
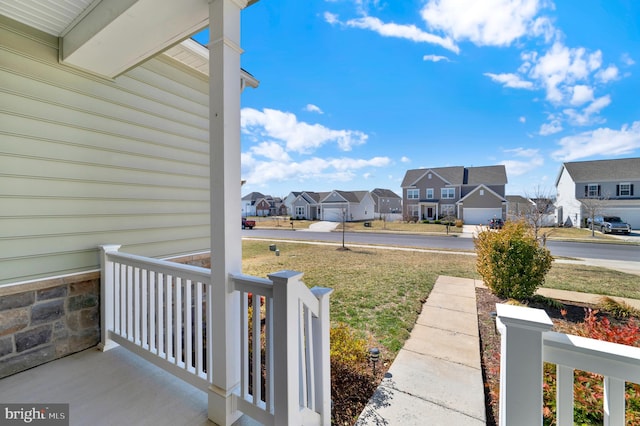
510 261
346 347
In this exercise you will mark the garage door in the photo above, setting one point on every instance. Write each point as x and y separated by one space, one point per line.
480 216
629 215
332 215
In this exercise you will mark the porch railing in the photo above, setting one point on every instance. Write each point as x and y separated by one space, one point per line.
527 341
159 310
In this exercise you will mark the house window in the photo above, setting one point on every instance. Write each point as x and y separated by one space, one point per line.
482 192
447 193
447 210
592 190
624 190
413 210
429 176
299 211
413 194
429 193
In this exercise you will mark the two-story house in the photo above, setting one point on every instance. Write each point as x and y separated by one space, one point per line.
614 182
473 194
386 201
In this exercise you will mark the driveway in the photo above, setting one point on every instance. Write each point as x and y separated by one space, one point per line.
323 226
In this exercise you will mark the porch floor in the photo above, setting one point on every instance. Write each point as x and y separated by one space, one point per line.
110 388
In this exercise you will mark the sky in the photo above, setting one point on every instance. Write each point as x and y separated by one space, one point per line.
353 93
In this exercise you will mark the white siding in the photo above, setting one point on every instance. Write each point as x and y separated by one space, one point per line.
566 198
86 161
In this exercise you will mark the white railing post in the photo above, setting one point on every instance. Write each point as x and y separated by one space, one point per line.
285 349
614 401
106 296
521 364
321 326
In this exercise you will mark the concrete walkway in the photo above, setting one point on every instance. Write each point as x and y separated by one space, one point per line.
436 379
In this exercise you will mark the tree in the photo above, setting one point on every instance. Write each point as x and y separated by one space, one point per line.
593 206
535 213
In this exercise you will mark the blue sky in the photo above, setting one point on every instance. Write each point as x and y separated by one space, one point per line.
353 92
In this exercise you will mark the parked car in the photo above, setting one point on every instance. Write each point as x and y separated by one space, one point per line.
248 223
496 223
609 224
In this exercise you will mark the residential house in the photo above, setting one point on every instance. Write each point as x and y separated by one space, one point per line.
473 194
386 201
540 210
264 206
120 149
517 206
349 206
248 204
304 205
614 182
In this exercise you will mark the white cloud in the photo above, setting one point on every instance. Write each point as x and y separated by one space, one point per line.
408 32
550 128
510 80
405 159
435 58
257 172
271 150
626 59
561 66
589 115
366 175
607 74
313 108
486 22
533 160
297 136
603 141
522 119
331 18
581 94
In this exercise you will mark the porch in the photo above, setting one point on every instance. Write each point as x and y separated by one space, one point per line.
113 387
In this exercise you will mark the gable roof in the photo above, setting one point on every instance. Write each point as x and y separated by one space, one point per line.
603 170
479 187
253 196
386 193
348 196
518 199
460 175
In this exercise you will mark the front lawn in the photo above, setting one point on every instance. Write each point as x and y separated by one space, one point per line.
380 292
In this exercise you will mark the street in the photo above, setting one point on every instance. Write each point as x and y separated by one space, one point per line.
586 250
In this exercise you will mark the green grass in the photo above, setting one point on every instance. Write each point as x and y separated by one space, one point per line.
592 279
380 292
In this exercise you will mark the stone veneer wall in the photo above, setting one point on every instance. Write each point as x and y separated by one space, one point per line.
45 320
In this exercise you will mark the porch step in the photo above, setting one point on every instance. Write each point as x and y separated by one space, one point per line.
436 378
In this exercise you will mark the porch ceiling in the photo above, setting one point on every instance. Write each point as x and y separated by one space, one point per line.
108 37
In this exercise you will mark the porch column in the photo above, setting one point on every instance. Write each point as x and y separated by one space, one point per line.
226 244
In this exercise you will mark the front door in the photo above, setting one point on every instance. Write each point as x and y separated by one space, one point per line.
429 212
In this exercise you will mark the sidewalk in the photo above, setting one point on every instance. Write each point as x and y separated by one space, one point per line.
436 379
